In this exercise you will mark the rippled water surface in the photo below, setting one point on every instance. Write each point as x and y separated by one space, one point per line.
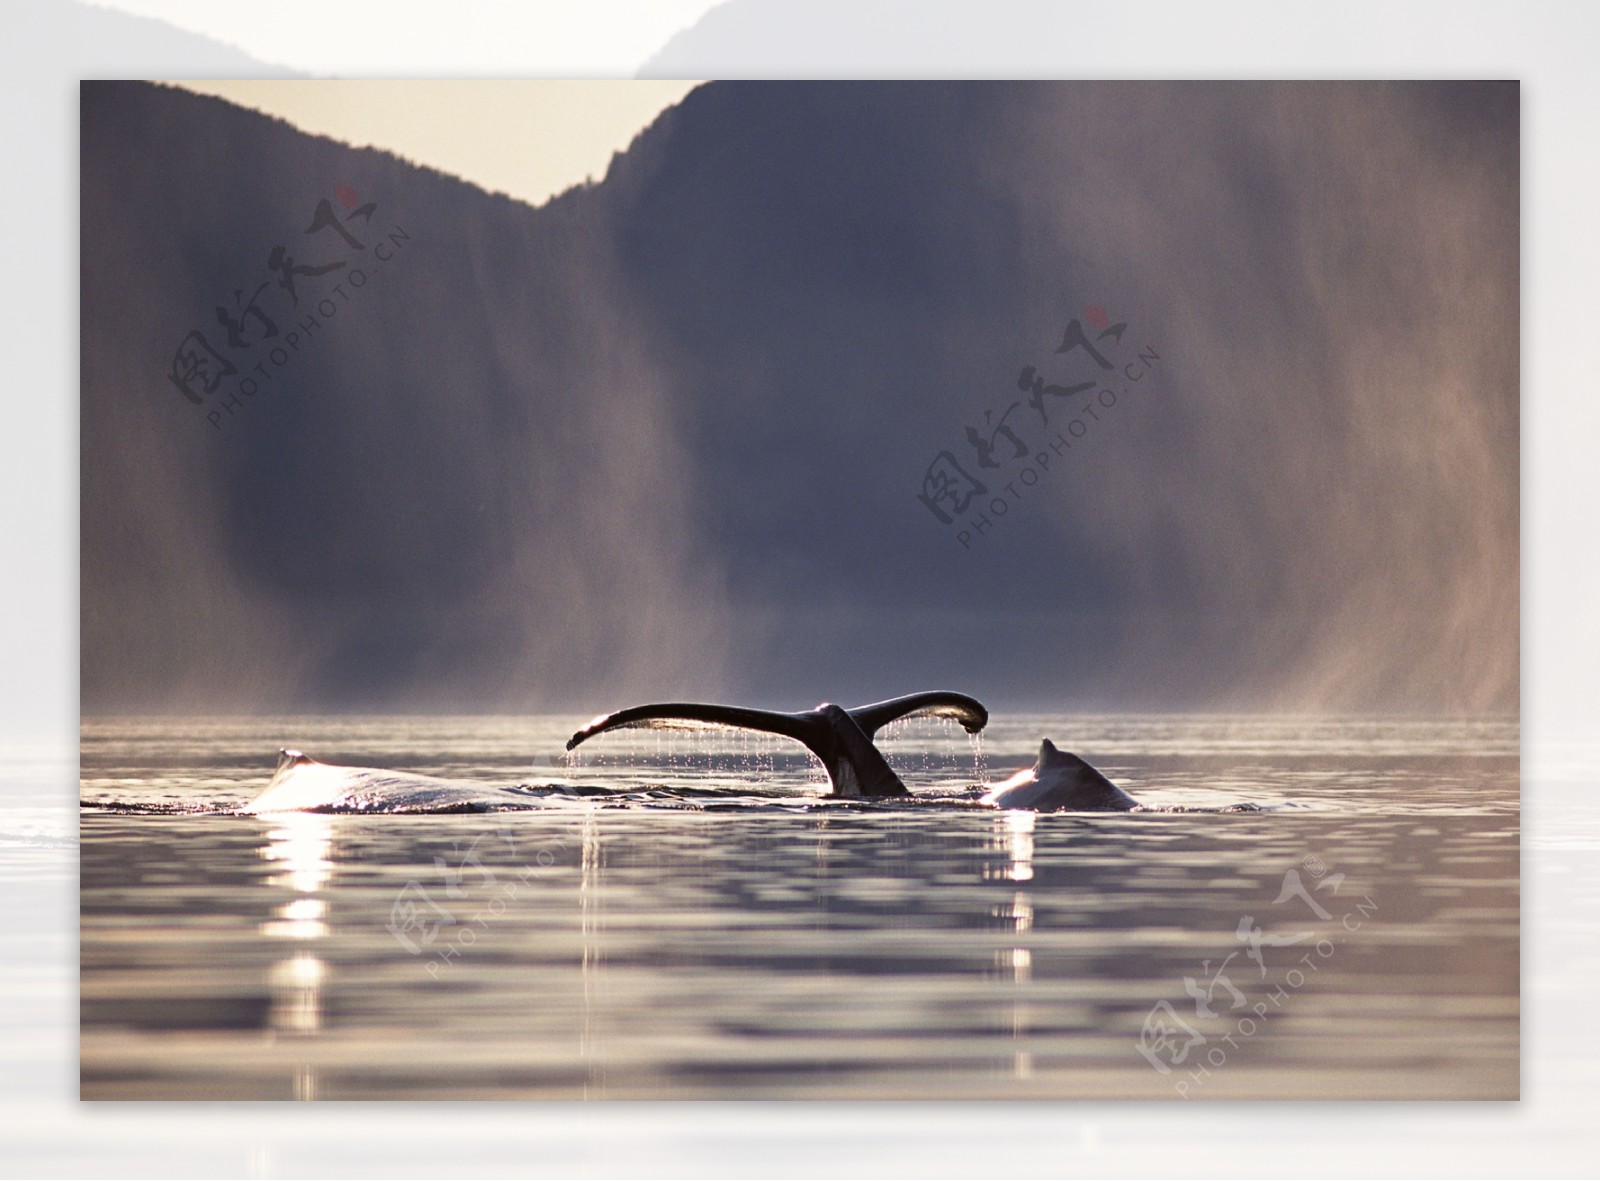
681 916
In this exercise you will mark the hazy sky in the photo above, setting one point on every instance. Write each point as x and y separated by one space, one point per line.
528 139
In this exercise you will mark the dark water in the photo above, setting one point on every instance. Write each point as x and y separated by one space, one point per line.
685 919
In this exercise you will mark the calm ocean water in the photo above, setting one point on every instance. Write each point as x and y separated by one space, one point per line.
680 916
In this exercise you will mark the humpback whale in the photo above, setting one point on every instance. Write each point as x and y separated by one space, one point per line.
300 783
1060 780
841 738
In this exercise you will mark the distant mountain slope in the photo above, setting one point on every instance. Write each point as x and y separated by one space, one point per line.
667 435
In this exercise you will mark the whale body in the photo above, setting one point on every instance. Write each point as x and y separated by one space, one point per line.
302 784
1060 781
841 738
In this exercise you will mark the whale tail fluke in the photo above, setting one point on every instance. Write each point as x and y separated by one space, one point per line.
689 715
938 703
840 738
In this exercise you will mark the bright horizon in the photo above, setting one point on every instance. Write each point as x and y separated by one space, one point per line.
562 133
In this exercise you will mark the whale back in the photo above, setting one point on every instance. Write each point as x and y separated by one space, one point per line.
1060 780
301 784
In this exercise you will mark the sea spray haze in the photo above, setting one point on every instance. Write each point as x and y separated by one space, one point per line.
462 488
662 436
1325 503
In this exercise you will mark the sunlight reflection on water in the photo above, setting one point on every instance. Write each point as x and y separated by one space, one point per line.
593 947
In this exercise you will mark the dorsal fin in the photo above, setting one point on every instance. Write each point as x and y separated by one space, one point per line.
291 758
1047 751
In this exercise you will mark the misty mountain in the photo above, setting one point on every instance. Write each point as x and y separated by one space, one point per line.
715 425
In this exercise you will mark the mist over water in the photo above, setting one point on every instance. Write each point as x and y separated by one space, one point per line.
464 488
1323 510
662 438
